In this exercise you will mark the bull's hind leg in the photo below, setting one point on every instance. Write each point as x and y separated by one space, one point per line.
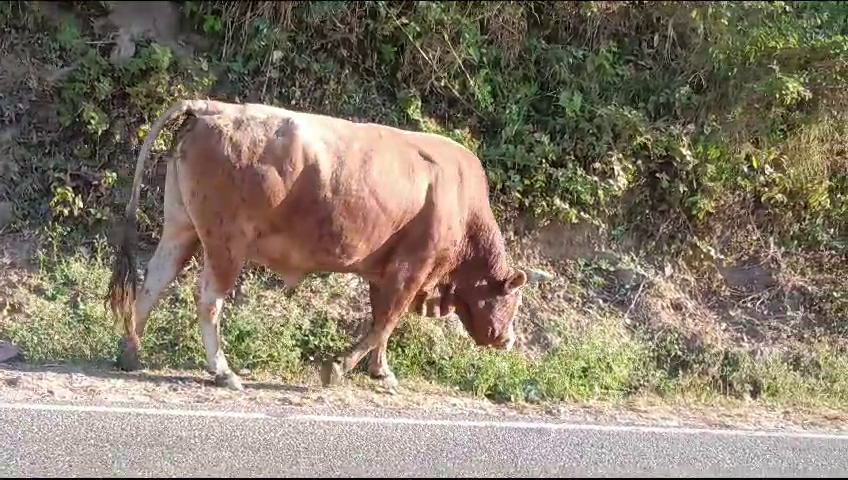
177 245
221 267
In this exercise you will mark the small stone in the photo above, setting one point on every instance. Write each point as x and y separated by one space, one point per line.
60 393
8 351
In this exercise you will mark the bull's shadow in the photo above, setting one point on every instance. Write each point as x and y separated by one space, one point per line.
107 371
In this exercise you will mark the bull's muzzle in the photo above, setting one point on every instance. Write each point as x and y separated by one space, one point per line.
507 341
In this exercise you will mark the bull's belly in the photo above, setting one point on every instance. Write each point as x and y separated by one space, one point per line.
292 259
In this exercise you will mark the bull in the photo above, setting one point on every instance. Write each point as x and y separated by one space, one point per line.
299 193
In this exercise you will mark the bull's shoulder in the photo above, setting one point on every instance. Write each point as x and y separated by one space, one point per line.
451 156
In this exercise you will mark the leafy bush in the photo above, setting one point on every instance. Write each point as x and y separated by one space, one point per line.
585 110
664 117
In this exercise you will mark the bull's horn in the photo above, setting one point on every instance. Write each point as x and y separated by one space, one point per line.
534 276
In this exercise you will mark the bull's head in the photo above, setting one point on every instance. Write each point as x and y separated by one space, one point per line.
486 306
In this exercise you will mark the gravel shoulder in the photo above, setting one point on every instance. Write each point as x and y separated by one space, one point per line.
21 382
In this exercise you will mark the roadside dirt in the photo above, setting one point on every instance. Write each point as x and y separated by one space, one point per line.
20 382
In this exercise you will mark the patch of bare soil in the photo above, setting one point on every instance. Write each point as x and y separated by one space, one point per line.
15 271
24 383
157 19
133 21
757 299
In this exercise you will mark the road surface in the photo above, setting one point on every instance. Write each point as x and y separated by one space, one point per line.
108 441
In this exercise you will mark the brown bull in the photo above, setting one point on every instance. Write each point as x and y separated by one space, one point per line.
408 212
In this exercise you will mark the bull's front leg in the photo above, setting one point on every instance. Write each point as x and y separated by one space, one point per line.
387 306
378 363
424 303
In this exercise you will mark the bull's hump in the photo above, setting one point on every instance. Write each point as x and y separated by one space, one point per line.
423 135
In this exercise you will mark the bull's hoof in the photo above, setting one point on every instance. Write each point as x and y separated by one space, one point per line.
127 359
331 373
128 362
229 380
388 379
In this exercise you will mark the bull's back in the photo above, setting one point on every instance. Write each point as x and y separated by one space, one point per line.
376 190
316 193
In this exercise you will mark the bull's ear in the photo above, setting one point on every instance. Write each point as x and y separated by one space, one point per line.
516 281
536 276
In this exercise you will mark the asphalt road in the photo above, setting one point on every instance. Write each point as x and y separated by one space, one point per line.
41 440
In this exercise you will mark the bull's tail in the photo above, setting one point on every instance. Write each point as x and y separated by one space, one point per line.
122 286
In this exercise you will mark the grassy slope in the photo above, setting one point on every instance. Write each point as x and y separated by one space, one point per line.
725 312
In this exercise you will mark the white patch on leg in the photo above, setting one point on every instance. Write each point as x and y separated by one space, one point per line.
214 355
161 271
209 311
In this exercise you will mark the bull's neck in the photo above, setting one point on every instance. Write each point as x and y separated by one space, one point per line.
485 249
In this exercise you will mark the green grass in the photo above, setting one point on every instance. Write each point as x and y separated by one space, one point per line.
715 135
273 334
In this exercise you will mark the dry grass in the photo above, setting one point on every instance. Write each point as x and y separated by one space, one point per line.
817 152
